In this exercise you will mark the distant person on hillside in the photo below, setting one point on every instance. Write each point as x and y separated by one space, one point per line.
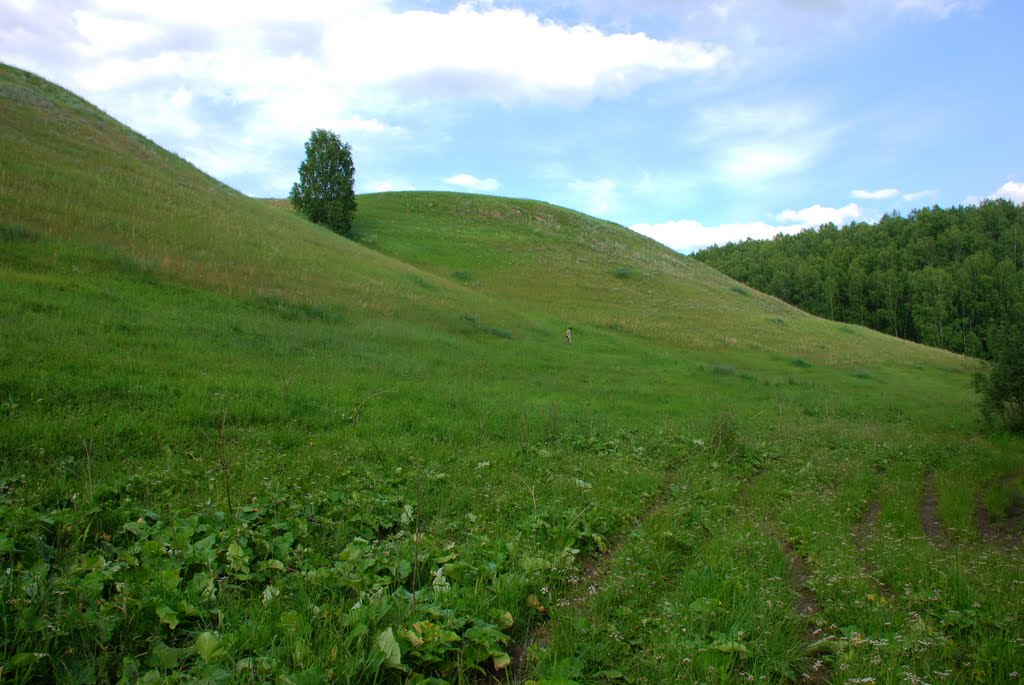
568 335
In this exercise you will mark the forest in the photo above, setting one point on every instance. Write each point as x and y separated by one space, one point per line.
948 278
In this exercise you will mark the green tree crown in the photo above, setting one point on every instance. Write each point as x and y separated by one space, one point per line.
325 192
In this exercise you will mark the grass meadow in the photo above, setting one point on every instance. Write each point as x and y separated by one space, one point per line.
235 447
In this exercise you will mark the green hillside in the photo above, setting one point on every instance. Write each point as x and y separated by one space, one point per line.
236 447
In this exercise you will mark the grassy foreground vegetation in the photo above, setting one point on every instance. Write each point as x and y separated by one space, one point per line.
235 447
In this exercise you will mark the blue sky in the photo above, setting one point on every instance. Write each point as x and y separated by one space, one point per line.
692 121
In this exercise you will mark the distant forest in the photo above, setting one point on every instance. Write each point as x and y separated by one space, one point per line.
943 277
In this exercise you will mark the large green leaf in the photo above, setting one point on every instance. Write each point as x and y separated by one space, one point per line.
387 643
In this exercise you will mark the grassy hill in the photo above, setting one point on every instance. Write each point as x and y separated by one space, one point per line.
237 447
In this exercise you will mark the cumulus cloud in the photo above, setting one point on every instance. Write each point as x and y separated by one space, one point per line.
1011 190
688 235
507 54
470 182
260 75
478 51
817 215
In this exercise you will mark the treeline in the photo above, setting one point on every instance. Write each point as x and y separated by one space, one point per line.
944 277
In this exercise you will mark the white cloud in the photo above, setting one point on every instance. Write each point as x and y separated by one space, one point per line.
745 163
882 194
471 182
472 50
817 215
482 52
687 235
919 195
1011 190
889 193
260 75
389 185
109 35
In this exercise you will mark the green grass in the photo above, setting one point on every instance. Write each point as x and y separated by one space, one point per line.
235 447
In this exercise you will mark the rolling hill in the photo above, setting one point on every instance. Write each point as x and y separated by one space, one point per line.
237 447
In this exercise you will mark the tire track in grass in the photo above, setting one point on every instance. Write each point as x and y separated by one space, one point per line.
933 529
862 533
594 570
639 569
1010 530
807 607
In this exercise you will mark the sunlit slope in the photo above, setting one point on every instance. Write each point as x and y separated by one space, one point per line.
73 173
70 172
593 273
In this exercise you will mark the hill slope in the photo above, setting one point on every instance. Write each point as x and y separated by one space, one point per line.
237 447
577 268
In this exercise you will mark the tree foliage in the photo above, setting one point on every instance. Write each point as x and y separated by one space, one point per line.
1001 386
325 193
943 277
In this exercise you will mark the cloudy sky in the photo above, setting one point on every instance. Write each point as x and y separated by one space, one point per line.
692 121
